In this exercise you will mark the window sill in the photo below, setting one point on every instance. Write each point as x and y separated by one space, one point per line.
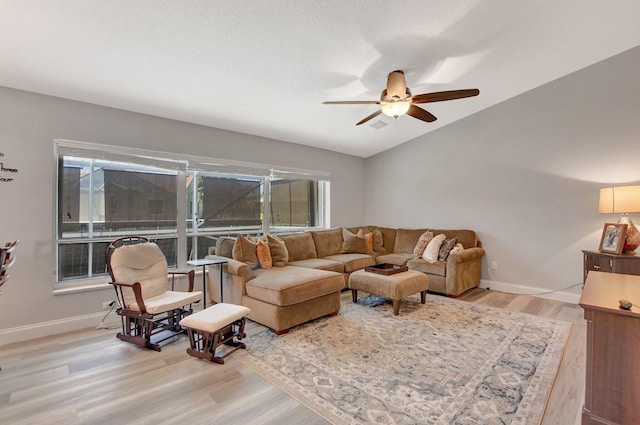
100 284
84 287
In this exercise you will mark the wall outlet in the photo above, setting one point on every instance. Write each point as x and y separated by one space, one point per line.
107 305
494 265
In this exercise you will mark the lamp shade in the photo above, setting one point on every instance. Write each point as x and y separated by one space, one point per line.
620 199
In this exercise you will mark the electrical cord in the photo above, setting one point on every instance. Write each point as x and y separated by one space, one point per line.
531 293
113 306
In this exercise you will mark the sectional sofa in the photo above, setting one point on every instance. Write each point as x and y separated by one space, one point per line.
311 268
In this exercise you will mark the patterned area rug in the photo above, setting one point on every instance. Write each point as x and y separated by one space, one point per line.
444 362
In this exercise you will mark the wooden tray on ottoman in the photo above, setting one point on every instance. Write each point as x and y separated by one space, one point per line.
386 269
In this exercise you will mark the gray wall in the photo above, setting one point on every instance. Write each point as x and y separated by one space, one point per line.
28 125
525 174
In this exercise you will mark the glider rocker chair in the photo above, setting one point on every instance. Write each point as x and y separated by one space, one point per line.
139 275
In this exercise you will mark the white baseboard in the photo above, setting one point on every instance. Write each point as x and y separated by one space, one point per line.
39 330
568 297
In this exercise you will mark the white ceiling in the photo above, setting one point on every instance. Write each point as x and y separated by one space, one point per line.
265 67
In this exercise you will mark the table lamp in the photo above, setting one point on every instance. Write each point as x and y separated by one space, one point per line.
623 200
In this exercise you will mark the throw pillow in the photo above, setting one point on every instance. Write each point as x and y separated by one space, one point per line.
244 250
430 253
353 244
423 241
264 254
369 238
378 242
456 248
278 249
446 248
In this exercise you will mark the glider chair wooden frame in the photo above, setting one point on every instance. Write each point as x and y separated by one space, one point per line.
149 312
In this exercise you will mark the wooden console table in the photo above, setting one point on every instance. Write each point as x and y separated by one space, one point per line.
610 263
612 387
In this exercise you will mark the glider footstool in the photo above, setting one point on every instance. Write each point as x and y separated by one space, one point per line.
219 324
393 286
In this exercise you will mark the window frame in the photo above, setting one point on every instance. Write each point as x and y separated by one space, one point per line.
183 166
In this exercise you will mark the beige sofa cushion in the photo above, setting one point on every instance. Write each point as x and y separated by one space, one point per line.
406 240
328 242
353 262
438 268
300 246
224 246
244 250
353 243
467 238
279 253
396 258
388 239
320 264
291 285
378 242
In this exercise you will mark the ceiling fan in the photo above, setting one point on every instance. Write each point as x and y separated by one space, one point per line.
397 99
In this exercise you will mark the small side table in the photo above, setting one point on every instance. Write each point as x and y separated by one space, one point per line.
220 261
611 263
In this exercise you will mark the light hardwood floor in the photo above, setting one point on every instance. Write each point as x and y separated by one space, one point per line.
90 377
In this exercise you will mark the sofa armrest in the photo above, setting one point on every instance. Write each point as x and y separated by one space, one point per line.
235 275
239 268
463 271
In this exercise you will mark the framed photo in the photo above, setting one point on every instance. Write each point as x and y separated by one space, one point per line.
613 237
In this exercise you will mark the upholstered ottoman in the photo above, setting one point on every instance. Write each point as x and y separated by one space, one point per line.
219 324
394 286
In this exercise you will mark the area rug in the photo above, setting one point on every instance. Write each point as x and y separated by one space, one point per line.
444 362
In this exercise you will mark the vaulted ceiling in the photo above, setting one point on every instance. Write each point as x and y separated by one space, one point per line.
265 67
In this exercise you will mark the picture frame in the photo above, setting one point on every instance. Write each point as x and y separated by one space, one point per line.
613 237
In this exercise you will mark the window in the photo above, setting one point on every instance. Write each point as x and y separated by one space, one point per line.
102 200
294 204
219 203
183 204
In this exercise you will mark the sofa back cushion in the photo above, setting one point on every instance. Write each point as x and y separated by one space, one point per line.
327 242
406 240
467 238
278 250
388 239
300 246
224 246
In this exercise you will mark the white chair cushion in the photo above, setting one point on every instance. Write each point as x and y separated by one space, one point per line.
144 263
168 301
215 317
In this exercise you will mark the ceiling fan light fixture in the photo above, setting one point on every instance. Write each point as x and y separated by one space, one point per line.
395 109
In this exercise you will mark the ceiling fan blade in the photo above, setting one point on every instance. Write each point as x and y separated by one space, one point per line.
352 102
444 95
375 114
396 84
421 114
